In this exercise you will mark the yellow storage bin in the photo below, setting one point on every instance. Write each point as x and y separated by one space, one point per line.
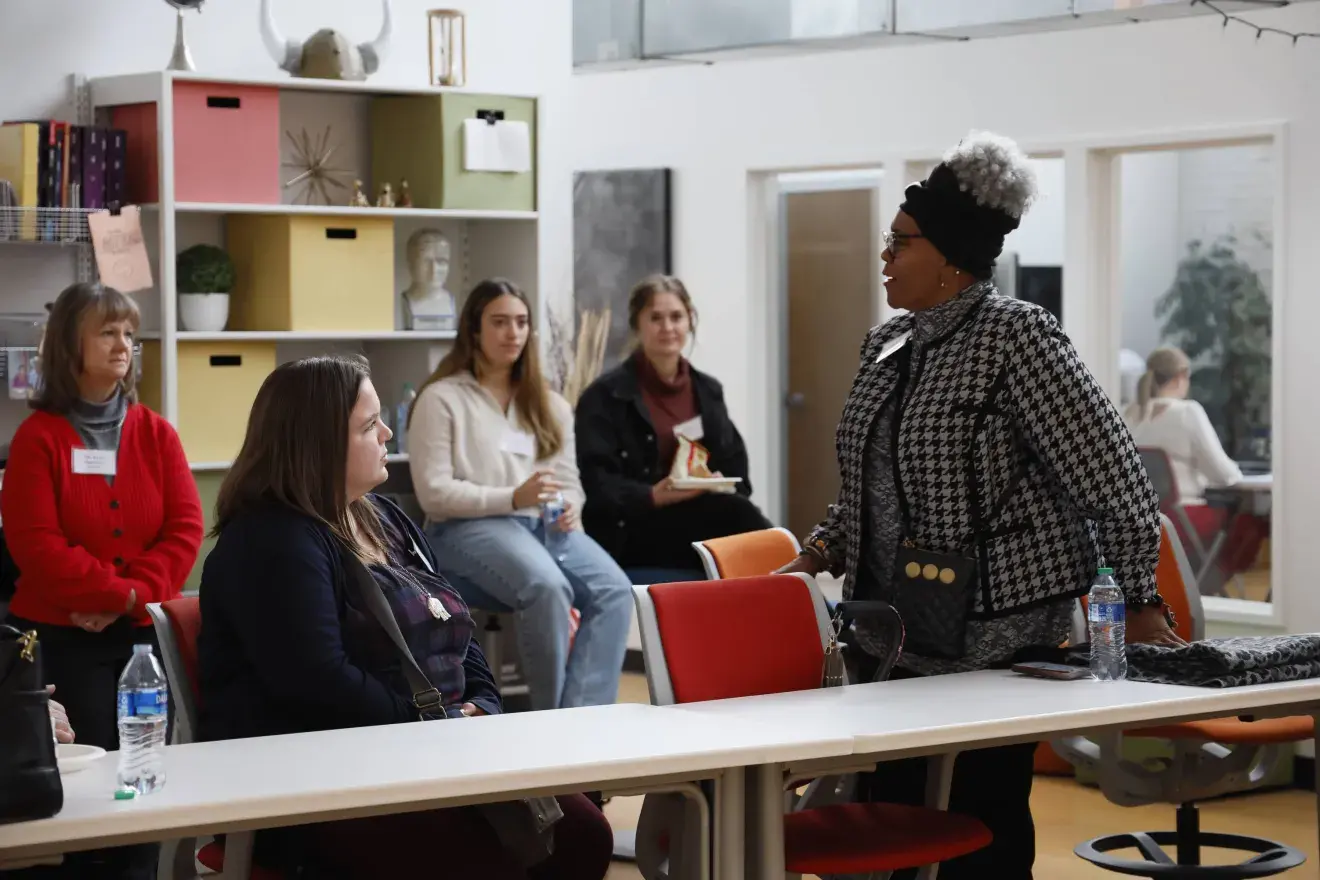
217 383
311 272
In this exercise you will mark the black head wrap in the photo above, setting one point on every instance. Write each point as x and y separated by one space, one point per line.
968 234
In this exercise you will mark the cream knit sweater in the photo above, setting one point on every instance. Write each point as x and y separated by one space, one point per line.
468 456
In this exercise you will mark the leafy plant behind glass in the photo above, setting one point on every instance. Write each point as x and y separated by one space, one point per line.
1218 312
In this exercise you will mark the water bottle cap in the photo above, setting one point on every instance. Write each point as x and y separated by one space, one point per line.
142 649
1106 571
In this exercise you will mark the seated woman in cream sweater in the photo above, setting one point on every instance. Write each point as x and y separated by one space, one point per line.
487 441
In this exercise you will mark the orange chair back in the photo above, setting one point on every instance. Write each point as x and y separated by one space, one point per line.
752 554
739 638
1169 581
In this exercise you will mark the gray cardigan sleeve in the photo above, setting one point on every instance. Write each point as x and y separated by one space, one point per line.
1071 424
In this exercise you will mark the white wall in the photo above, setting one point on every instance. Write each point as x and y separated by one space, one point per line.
715 124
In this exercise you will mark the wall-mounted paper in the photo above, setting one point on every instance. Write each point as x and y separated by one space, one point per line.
498 146
121 254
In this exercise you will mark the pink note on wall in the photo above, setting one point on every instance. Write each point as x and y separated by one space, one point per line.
121 253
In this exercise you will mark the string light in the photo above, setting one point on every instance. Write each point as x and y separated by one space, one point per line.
1261 30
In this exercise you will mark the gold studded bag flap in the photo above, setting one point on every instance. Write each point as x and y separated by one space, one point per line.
933 593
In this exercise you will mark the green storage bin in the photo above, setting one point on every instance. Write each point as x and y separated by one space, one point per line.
420 138
208 486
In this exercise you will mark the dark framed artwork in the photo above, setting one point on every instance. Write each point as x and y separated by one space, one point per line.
621 234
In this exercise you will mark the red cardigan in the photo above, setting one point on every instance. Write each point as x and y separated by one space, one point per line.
81 544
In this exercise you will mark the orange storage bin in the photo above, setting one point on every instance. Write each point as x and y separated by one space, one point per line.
226 145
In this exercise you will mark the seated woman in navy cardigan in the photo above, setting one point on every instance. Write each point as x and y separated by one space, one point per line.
287 645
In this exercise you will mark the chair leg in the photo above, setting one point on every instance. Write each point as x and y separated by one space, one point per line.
1189 835
238 856
178 859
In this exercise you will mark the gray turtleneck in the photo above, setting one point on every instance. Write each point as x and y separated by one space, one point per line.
99 424
988 641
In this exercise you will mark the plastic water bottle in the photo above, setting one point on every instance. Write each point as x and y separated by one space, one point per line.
552 511
1107 621
401 418
144 699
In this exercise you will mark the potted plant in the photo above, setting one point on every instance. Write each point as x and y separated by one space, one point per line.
1218 311
204 275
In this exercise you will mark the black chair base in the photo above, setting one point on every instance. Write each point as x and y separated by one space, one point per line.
1269 858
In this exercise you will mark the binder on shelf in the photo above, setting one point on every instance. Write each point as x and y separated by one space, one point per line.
93 168
116 169
19 164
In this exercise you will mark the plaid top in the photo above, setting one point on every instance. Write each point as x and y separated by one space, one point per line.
438 643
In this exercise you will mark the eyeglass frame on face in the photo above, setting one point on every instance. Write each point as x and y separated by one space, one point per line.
891 238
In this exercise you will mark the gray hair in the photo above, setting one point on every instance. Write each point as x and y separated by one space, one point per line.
995 171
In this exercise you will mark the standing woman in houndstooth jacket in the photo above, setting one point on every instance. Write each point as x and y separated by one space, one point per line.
985 477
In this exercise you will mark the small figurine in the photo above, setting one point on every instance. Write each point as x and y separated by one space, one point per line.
386 199
359 199
405 194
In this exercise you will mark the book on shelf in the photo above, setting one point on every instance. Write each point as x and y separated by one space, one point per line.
55 164
19 147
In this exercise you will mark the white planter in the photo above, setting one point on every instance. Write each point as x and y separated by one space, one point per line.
203 312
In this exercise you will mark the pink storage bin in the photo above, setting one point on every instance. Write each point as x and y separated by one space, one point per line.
226 145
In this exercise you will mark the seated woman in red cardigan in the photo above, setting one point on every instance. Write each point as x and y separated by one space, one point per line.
101 516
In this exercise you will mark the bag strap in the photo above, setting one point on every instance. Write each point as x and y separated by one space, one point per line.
425 697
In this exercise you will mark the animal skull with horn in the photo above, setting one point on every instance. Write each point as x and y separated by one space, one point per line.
327 54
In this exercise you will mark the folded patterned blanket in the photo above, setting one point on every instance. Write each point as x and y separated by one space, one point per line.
1229 662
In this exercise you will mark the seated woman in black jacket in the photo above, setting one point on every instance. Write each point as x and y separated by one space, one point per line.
628 424
287 645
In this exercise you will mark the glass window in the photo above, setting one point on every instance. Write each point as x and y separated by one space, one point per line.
1195 271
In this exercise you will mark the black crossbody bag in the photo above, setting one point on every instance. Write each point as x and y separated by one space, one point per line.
525 827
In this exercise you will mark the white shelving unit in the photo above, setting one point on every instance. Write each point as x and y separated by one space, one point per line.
485 243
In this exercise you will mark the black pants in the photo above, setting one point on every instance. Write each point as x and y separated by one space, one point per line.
664 537
85 669
993 785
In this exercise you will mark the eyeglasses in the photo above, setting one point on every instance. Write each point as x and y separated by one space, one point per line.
894 241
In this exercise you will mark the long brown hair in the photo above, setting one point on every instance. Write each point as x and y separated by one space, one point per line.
646 290
61 349
296 449
529 389
1162 367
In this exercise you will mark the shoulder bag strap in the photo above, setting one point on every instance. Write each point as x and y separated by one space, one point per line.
425 697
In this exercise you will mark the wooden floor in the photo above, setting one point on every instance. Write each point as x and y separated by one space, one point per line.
1067 813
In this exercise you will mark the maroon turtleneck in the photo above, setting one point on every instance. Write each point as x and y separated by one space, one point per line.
669 403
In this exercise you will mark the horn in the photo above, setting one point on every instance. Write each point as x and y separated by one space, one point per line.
287 53
374 52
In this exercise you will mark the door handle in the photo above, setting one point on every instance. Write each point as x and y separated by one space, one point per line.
795 400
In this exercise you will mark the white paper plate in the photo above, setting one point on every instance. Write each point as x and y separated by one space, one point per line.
725 483
73 757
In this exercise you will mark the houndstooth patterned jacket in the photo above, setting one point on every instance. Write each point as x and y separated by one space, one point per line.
1008 451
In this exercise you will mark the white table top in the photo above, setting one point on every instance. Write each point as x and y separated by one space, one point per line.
270 781
975 707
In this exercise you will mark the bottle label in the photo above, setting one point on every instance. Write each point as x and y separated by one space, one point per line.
147 701
1106 612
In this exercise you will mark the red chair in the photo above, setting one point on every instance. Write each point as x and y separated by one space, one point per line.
177 623
779 647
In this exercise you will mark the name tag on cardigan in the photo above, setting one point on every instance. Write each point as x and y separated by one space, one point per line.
692 429
893 347
94 461
519 443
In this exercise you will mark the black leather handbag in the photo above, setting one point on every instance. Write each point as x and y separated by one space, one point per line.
30 785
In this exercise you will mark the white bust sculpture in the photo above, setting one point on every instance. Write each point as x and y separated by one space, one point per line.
427 305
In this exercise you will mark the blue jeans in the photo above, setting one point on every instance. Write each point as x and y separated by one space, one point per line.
506 557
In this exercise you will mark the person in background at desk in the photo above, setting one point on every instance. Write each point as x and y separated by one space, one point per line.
985 475
488 441
101 517
290 643
628 422
1163 418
